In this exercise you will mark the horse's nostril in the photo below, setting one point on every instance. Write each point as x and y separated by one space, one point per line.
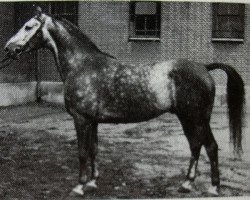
17 50
6 49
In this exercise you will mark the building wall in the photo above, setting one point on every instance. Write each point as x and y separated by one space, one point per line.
186 30
18 71
185 33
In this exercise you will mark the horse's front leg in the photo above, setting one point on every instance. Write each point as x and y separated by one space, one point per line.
84 129
93 152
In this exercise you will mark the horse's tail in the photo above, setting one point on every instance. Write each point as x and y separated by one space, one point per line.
236 102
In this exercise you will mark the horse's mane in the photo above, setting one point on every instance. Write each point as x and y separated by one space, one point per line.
84 39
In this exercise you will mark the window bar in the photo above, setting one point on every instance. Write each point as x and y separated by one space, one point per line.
50 9
156 25
134 27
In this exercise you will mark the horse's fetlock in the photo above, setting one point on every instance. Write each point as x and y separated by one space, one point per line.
83 179
191 178
215 181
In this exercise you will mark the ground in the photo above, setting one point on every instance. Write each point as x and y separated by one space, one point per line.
39 158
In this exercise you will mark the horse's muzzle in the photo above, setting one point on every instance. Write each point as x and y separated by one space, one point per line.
13 51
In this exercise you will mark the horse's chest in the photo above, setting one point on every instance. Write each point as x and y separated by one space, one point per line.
81 94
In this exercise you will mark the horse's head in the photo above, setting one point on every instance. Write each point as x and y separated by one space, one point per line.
29 37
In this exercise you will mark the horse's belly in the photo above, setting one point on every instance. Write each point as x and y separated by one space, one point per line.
141 100
128 114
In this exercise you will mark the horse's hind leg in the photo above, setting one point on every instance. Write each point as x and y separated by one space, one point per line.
198 133
212 152
192 132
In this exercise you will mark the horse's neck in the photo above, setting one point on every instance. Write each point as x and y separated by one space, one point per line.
68 52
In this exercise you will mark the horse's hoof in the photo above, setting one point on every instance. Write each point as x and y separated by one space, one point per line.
91 185
213 190
77 191
186 187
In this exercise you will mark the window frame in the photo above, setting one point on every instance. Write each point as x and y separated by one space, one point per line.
132 17
21 17
215 21
53 9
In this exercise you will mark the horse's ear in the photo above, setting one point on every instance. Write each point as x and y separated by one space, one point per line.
38 11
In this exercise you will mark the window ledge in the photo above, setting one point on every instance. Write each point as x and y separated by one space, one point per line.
143 39
227 40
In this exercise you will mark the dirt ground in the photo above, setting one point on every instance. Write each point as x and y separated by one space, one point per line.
39 158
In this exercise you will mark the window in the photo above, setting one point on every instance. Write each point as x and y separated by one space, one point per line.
145 20
23 12
65 9
228 22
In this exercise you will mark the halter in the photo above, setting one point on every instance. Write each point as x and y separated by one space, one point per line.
7 60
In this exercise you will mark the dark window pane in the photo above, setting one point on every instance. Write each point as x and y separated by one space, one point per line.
151 33
223 23
151 22
228 20
70 8
57 7
222 9
65 9
145 19
140 22
140 32
234 9
23 12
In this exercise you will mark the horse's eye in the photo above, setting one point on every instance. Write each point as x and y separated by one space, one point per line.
27 28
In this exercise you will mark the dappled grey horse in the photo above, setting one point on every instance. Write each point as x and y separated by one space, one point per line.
99 89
